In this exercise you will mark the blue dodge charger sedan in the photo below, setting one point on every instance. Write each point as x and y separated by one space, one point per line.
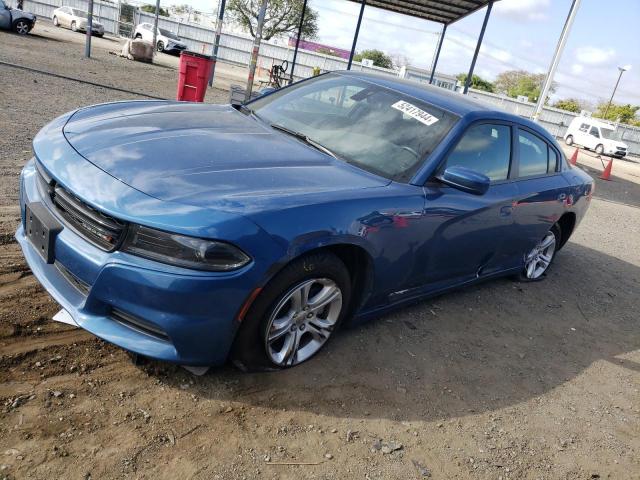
199 233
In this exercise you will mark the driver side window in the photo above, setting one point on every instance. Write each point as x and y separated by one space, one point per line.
485 148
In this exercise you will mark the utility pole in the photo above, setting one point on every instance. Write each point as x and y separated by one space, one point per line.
155 27
256 49
556 59
87 44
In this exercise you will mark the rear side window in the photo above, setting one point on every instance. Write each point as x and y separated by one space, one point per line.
584 127
485 148
536 156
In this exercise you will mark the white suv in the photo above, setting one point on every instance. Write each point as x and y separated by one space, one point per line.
166 41
595 135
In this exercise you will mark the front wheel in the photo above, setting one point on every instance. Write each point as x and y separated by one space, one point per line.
160 46
74 27
56 23
539 259
21 27
600 149
569 140
295 315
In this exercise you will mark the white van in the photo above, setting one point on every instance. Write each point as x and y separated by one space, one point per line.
595 135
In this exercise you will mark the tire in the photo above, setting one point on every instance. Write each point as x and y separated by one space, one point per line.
21 26
525 274
74 28
99 35
56 23
277 314
569 140
599 149
160 46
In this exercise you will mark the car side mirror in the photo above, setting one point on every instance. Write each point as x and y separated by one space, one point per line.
465 179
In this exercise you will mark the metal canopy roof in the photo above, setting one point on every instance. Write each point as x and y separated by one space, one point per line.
441 11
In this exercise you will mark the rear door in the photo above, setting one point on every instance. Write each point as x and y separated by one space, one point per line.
543 192
469 235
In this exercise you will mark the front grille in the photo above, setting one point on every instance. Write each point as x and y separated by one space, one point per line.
100 229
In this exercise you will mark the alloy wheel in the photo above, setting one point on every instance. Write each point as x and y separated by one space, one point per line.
538 260
303 321
22 27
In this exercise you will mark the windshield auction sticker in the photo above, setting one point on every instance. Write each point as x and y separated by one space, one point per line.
415 112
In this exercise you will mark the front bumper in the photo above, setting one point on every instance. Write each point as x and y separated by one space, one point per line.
146 307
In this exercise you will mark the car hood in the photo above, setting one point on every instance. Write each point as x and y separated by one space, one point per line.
205 155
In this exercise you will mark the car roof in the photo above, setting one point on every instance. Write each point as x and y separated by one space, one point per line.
453 102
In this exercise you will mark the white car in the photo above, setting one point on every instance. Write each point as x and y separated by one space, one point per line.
595 135
77 20
166 41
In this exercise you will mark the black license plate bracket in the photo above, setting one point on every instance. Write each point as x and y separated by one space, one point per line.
41 228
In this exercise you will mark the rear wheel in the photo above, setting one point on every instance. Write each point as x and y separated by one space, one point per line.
539 259
21 27
138 35
56 23
295 315
569 140
600 149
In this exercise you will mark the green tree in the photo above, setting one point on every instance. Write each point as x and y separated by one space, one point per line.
380 59
623 113
570 105
477 82
152 9
283 16
520 82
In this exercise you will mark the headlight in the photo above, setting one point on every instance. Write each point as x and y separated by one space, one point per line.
183 251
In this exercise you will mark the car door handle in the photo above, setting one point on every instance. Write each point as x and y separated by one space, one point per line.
506 210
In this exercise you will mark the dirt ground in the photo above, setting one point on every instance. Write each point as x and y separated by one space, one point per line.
500 381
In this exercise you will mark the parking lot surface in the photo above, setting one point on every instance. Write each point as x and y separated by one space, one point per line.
503 380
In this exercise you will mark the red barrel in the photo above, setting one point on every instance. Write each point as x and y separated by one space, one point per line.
193 76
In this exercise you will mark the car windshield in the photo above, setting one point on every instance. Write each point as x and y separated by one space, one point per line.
610 134
79 13
376 128
168 33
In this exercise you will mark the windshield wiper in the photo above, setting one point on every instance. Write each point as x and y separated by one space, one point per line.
304 138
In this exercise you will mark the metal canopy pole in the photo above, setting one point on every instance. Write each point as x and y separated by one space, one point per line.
256 49
556 59
155 27
295 52
216 43
87 45
355 37
467 82
435 60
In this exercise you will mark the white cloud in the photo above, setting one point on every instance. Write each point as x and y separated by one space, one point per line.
594 55
577 69
535 10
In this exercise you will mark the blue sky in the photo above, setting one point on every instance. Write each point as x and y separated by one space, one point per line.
522 34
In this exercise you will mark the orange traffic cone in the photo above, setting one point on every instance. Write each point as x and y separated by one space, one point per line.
574 158
607 171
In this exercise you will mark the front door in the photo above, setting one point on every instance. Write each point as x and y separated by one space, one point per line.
468 236
5 17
